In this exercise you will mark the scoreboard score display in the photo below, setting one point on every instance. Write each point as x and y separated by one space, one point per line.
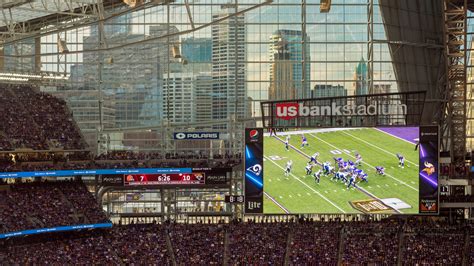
178 177
165 179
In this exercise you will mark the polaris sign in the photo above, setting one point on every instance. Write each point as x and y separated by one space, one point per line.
196 135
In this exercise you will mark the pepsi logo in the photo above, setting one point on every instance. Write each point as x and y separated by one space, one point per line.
253 134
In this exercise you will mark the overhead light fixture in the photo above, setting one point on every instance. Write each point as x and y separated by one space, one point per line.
175 51
62 47
325 6
133 3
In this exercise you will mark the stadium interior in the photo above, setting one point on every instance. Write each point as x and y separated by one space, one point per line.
237 132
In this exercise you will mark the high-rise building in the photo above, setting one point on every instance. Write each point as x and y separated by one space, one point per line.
114 26
229 91
326 90
178 102
13 62
360 78
282 85
187 97
197 50
202 95
298 55
135 75
360 84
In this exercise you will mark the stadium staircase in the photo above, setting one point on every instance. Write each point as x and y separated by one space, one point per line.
75 215
340 250
226 248
466 251
289 239
401 246
170 248
35 221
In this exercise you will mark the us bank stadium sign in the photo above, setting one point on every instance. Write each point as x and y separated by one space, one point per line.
350 111
195 135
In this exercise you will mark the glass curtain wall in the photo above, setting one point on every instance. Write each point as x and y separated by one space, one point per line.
157 66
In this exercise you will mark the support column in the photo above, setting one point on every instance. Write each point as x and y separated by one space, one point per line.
455 41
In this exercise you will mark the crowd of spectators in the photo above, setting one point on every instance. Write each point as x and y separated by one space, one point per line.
258 243
114 160
372 243
433 249
314 243
198 244
294 243
47 204
471 246
432 242
36 120
128 245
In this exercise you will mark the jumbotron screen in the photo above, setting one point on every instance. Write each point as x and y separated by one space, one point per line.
342 170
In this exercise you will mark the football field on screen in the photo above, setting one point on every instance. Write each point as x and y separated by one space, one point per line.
299 193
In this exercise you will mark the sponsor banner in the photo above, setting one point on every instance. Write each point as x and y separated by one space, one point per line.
55 229
291 110
218 176
195 135
92 172
254 170
350 111
371 206
428 169
428 206
111 180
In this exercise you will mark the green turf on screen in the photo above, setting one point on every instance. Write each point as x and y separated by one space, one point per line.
299 193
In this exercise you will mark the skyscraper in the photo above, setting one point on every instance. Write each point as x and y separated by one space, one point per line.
326 90
360 84
295 53
187 97
135 77
197 50
282 86
228 65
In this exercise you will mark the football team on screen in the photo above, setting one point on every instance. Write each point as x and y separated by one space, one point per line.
346 172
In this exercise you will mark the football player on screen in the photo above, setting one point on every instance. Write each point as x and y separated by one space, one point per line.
317 176
309 168
327 168
380 170
401 160
289 164
287 142
351 182
358 159
304 141
314 158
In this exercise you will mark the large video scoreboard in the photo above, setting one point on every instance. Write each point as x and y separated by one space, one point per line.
342 170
